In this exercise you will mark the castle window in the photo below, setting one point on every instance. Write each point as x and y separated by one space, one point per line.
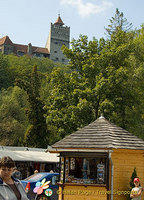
57 58
20 53
46 55
40 55
55 51
63 60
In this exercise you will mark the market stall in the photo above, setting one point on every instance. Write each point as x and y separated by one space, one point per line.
96 162
30 159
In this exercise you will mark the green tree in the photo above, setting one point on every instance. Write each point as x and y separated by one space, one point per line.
36 134
136 122
66 105
22 66
134 175
13 121
118 22
84 57
103 68
119 75
5 75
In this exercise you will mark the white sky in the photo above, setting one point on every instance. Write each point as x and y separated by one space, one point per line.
26 21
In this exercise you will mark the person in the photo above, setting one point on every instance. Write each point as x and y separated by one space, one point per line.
137 190
16 174
35 171
10 187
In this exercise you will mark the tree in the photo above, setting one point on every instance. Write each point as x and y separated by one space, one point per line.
134 175
23 65
36 134
119 75
100 83
81 52
104 71
66 104
118 22
5 75
84 57
13 121
136 123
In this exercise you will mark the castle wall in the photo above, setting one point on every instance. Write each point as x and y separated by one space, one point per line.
59 35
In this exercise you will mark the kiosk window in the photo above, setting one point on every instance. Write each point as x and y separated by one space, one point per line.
84 170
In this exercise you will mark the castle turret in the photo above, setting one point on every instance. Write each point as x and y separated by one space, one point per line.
59 21
59 35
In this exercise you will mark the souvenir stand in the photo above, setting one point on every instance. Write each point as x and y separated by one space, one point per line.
96 162
29 159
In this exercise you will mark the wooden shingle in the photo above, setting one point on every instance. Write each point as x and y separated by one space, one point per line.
100 134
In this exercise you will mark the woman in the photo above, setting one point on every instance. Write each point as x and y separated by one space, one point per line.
137 190
10 188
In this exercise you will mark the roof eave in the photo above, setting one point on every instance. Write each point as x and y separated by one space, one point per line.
59 150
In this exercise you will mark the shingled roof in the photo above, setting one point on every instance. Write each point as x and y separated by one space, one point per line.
100 134
5 40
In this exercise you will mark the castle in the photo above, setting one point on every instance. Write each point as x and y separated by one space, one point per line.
59 35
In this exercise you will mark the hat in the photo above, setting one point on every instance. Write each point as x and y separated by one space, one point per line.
136 180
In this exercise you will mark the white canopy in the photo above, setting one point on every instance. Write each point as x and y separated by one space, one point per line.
28 154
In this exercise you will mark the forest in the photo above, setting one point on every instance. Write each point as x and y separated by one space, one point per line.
41 101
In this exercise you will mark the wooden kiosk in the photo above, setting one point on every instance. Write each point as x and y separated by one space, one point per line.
97 162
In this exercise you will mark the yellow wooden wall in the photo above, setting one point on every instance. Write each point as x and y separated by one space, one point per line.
75 192
124 161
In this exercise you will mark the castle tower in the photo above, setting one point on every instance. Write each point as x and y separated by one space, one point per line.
59 35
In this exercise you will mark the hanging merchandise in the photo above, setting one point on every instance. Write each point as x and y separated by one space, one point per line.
100 173
84 168
72 163
66 169
62 170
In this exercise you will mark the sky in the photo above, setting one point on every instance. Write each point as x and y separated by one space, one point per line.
28 21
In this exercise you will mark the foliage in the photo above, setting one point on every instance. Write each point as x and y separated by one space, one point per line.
5 74
103 68
22 66
134 175
13 121
66 105
118 22
36 134
135 118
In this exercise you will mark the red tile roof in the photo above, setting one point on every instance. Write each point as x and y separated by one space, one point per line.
24 48
59 21
21 47
5 40
41 50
